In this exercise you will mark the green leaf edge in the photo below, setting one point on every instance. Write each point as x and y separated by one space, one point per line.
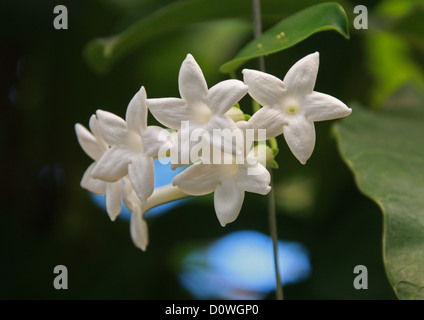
232 65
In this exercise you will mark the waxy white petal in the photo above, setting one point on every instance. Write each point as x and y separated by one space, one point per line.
301 77
112 165
300 137
112 128
255 180
222 96
94 127
228 200
266 89
88 142
141 174
191 82
155 139
138 230
113 199
270 119
200 179
93 185
228 137
169 111
129 197
136 116
319 106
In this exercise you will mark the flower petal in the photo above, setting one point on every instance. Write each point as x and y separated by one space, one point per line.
266 89
93 185
155 139
319 106
141 172
269 119
228 200
300 136
139 231
169 111
112 128
301 77
253 178
200 179
112 165
191 82
226 135
94 127
88 142
136 116
129 197
222 96
113 199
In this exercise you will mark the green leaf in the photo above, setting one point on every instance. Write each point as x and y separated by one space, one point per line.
102 53
385 151
292 30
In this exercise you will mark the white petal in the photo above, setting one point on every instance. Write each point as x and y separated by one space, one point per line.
228 199
136 116
141 172
222 96
169 111
191 82
269 119
155 139
112 128
93 185
319 106
113 199
94 127
113 165
300 136
226 135
301 77
139 231
253 178
266 89
88 142
131 201
200 179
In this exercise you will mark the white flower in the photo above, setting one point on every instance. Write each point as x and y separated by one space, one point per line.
138 226
291 106
228 182
202 107
133 146
94 146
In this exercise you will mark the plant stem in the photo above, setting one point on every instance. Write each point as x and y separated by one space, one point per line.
272 217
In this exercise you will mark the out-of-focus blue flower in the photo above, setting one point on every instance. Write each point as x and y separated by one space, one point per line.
241 266
163 177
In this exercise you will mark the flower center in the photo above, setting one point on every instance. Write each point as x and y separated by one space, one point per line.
135 142
291 107
203 114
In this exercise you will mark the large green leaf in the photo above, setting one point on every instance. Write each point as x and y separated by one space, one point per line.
102 53
385 151
292 30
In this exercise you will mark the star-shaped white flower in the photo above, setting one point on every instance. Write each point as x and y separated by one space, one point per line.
228 182
94 146
202 107
291 106
133 146
138 226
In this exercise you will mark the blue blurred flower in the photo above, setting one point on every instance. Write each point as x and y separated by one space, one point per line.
241 266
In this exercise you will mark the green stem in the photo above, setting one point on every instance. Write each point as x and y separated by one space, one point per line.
272 217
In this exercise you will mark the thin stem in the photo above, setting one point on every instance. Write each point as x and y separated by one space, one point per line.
272 217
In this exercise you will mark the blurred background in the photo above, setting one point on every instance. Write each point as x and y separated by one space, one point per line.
326 226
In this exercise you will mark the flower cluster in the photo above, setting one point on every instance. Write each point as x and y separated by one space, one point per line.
205 131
